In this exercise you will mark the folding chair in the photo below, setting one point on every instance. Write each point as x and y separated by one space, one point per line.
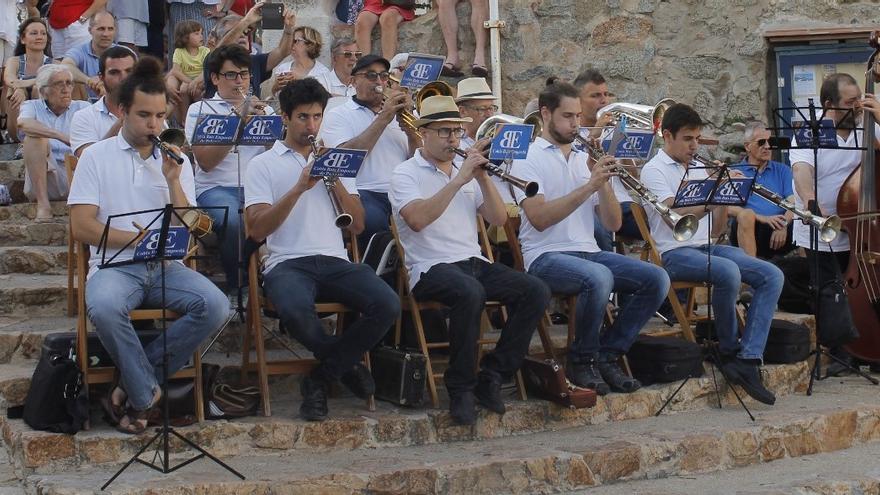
104 374
259 306
70 164
409 303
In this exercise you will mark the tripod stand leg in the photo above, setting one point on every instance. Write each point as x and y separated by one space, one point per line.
816 370
133 460
202 453
715 383
680 386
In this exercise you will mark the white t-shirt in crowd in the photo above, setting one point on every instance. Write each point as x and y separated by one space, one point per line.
90 124
309 229
556 177
349 120
662 176
453 235
333 85
226 172
112 175
286 64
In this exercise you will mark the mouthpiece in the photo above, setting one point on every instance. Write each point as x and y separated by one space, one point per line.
379 89
166 149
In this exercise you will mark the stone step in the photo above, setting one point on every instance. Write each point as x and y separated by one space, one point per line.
689 444
33 259
352 427
33 295
21 338
11 170
25 212
34 234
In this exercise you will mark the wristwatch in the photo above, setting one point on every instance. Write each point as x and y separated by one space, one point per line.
83 19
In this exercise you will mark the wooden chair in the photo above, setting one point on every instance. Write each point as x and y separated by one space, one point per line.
410 304
70 165
259 306
104 374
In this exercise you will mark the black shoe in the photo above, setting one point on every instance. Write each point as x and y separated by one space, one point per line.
488 391
836 368
616 378
360 381
462 408
314 405
747 375
585 374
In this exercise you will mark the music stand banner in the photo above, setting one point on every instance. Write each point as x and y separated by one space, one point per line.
420 70
636 145
216 130
176 245
712 191
827 137
511 141
338 162
261 130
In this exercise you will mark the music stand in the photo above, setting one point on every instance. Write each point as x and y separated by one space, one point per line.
816 140
718 189
167 248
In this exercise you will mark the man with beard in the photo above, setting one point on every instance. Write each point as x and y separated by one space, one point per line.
102 119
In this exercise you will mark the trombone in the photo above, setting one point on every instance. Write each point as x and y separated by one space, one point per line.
683 226
828 227
343 219
529 188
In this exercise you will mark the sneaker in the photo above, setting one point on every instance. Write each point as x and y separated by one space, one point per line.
462 408
488 391
616 378
745 373
360 381
585 374
314 405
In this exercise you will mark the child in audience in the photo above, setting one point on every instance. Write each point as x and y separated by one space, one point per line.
186 80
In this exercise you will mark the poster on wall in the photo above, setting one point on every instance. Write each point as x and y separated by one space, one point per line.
803 80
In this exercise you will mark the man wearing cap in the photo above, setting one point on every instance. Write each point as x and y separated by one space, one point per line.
367 122
435 207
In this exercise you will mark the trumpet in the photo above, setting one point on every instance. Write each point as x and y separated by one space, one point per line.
683 226
406 117
529 188
828 227
343 219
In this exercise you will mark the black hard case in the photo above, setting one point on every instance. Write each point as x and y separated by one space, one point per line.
664 359
399 375
787 342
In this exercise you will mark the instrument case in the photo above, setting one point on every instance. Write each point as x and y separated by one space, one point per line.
545 379
787 342
399 375
664 359
62 342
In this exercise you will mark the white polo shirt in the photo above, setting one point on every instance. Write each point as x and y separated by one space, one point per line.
556 177
333 85
662 175
39 111
504 189
111 175
90 124
835 165
309 229
226 172
450 238
349 120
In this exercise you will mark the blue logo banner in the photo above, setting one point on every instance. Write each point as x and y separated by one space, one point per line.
511 141
827 135
175 246
697 192
420 70
261 130
637 145
338 162
216 129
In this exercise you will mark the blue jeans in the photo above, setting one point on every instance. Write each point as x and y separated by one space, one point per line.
112 293
230 233
294 285
628 228
377 215
593 276
730 267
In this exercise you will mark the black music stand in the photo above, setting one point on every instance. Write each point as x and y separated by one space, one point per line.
813 141
703 192
161 254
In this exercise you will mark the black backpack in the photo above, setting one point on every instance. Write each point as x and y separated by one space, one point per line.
834 323
57 400
796 296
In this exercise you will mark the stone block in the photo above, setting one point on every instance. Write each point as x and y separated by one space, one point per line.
742 447
409 481
614 461
276 435
39 449
700 453
837 431
621 30
102 450
335 433
868 425
578 473
801 438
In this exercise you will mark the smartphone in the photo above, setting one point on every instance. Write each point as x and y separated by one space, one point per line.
273 16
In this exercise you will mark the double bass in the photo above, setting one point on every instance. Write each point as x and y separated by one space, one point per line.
857 205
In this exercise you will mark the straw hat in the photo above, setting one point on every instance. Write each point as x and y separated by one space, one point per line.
440 109
474 88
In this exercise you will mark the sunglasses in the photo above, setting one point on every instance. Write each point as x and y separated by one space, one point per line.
762 142
373 75
350 54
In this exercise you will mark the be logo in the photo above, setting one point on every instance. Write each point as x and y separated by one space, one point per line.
511 141
693 190
729 189
214 126
337 160
260 128
420 70
216 129
175 244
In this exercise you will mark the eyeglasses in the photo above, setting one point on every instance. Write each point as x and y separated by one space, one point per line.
304 41
445 132
761 142
61 84
484 109
349 54
232 75
373 75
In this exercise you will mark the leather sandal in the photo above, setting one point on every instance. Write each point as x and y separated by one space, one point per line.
450 70
137 421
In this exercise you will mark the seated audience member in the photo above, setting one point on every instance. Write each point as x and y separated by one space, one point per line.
186 80
102 119
338 80
388 17
44 129
761 228
307 256
435 207
68 23
304 52
449 25
83 59
30 53
123 174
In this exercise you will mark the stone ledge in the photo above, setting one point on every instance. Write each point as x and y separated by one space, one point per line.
23 212
34 234
50 260
33 294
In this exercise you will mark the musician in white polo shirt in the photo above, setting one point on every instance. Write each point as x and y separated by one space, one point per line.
221 169
307 258
337 81
368 121
730 266
101 120
435 210
560 248
120 175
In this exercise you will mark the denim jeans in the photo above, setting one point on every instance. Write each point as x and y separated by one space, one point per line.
628 228
230 233
465 286
593 276
730 267
377 215
112 293
295 285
